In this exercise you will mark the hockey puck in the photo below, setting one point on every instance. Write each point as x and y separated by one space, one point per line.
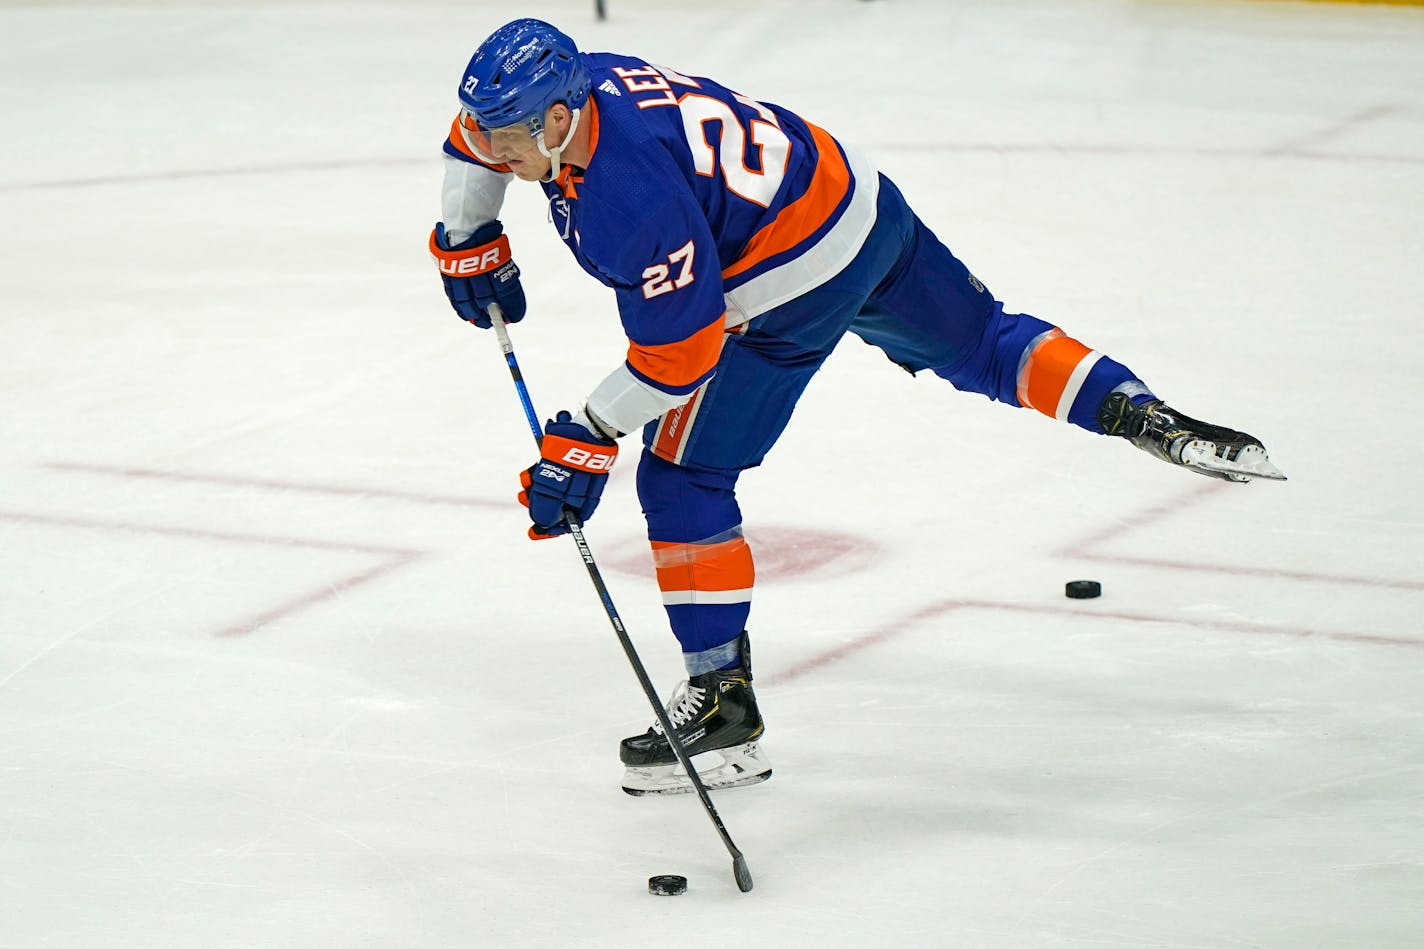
667 885
1082 589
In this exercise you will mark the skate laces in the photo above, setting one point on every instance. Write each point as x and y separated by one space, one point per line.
684 705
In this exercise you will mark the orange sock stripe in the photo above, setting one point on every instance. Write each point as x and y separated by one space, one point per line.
709 567
1048 370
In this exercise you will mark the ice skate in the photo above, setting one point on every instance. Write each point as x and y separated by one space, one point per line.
1177 439
717 721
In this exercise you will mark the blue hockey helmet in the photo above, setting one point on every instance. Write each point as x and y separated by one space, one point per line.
522 69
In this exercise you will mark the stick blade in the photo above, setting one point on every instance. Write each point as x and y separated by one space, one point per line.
742 872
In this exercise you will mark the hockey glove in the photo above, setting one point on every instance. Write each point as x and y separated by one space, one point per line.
569 475
478 272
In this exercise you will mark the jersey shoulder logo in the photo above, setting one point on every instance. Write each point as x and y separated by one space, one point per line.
608 86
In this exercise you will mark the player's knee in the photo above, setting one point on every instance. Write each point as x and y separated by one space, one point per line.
686 504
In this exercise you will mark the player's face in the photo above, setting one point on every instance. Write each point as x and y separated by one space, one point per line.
515 147
512 145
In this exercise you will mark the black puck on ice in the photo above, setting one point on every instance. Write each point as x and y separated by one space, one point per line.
667 885
1083 589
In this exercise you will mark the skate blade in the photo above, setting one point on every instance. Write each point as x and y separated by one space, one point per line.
740 767
1250 462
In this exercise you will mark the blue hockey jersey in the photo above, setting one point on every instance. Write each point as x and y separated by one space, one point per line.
701 209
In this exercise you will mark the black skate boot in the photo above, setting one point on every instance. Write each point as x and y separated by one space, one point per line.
1177 439
712 712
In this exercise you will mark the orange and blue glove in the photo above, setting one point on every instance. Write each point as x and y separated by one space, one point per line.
477 272
569 476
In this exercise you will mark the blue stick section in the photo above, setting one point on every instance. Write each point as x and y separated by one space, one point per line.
508 347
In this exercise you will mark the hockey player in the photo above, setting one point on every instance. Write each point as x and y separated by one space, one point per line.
742 242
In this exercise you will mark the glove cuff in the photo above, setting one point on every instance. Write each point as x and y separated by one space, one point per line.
469 261
581 455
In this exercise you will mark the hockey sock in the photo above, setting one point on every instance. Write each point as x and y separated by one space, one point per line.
704 565
1026 361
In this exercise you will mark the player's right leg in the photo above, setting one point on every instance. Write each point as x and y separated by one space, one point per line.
686 484
705 572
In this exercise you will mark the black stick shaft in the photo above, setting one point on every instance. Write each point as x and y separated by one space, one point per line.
739 863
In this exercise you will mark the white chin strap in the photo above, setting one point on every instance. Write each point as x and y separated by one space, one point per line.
553 153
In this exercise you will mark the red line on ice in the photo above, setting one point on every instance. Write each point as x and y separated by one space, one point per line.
1237 569
395 557
945 607
1295 151
340 490
181 174
327 592
1082 549
135 527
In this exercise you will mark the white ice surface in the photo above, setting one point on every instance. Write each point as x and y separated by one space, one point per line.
277 667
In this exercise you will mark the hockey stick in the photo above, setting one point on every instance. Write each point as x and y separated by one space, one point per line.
740 870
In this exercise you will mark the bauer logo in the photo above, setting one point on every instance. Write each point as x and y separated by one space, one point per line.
589 461
473 264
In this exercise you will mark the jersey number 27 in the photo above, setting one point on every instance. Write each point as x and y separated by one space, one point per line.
756 185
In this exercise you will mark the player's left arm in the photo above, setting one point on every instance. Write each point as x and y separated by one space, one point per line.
471 196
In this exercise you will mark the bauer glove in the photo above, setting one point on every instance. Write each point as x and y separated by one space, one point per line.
569 475
478 272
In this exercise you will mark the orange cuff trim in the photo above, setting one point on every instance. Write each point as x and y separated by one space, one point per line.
682 363
585 456
471 260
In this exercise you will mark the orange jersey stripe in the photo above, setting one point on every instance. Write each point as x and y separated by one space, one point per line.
800 219
683 362
707 567
1048 370
458 140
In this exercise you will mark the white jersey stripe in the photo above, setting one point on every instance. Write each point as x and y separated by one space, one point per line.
820 262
